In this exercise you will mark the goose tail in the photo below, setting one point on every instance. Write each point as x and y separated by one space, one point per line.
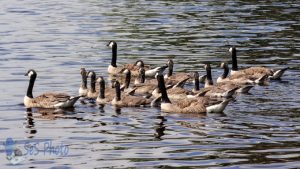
181 83
156 102
262 80
244 89
230 93
218 108
277 75
70 102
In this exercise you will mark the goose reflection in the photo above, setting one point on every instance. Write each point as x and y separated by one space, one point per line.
29 124
160 128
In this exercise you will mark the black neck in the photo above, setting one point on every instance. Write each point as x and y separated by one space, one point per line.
234 60
196 82
102 90
142 76
208 76
93 83
118 92
225 73
114 56
84 82
170 72
127 79
163 90
30 86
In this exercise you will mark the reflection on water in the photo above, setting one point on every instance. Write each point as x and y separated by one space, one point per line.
259 130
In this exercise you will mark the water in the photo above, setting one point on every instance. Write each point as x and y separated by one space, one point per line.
56 38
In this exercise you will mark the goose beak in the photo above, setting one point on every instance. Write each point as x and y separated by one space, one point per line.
26 74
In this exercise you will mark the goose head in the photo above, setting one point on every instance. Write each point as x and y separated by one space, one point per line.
139 63
112 44
196 81
224 65
127 73
91 74
83 71
232 49
100 79
31 73
101 82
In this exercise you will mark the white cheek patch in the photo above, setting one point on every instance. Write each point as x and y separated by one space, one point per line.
30 73
90 74
139 64
230 49
111 44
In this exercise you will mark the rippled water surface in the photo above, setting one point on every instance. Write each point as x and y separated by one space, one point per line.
56 38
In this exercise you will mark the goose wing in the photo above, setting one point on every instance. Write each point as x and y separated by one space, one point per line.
49 100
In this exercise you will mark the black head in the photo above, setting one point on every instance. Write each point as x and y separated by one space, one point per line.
170 63
100 79
31 73
232 49
224 65
139 63
127 72
83 71
112 44
196 75
91 74
207 66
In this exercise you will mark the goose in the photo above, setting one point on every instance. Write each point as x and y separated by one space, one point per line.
174 91
178 76
127 100
46 100
92 92
186 105
241 88
115 70
216 91
83 90
241 79
105 94
141 77
257 72
143 87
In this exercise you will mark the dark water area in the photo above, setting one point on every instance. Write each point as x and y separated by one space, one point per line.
57 38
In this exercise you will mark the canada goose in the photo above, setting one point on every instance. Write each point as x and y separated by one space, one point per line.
216 91
174 91
115 70
127 100
257 72
178 76
83 90
105 94
46 100
92 92
241 79
142 89
187 105
141 77
228 85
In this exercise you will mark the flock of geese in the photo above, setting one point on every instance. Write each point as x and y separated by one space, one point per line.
141 85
